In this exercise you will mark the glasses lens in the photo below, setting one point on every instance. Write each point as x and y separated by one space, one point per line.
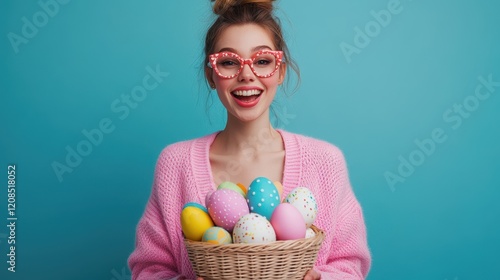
264 64
228 65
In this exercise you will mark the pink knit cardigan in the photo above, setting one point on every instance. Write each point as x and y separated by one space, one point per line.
183 174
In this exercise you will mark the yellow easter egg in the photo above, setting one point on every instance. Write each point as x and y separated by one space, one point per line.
195 222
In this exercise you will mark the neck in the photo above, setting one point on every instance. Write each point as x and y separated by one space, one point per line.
259 135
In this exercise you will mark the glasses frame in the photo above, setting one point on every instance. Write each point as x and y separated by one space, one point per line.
212 63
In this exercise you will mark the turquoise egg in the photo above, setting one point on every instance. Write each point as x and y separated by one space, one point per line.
197 205
263 197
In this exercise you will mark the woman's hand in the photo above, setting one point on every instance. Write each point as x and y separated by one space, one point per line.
312 275
199 278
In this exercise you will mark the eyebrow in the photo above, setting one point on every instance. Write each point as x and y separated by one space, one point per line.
258 48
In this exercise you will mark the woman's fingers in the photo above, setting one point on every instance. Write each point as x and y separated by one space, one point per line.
312 275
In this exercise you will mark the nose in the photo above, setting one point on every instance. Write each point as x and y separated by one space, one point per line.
246 74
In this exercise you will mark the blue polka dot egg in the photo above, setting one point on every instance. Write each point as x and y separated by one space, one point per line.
262 197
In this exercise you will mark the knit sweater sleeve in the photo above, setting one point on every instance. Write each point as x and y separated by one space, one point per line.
346 256
349 258
156 254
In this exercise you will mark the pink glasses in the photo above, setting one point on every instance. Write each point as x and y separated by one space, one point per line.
229 65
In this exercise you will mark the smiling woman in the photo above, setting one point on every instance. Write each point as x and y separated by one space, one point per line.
246 60
239 86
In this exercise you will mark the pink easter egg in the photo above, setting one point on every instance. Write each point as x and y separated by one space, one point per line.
226 207
288 222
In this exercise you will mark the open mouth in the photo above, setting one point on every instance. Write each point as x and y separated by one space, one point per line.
247 96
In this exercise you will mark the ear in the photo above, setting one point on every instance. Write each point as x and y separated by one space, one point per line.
208 75
282 73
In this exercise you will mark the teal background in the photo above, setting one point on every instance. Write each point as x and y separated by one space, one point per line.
442 222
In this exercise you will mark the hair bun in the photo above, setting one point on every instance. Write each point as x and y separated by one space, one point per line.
222 6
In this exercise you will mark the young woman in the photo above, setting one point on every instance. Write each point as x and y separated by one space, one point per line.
246 61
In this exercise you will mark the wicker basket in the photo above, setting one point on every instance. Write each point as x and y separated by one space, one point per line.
276 260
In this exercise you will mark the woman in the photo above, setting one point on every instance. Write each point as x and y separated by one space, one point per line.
246 61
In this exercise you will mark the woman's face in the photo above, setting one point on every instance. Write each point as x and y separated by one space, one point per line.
246 96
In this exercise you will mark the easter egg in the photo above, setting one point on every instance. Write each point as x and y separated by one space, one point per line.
226 207
310 233
195 221
262 197
197 205
207 197
231 186
253 228
288 223
243 188
217 236
279 187
303 199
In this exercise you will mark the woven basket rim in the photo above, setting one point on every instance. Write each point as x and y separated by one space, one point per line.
285 244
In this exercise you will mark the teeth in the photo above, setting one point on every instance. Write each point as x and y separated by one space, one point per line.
247 92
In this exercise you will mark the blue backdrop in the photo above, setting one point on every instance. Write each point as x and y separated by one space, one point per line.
92 91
